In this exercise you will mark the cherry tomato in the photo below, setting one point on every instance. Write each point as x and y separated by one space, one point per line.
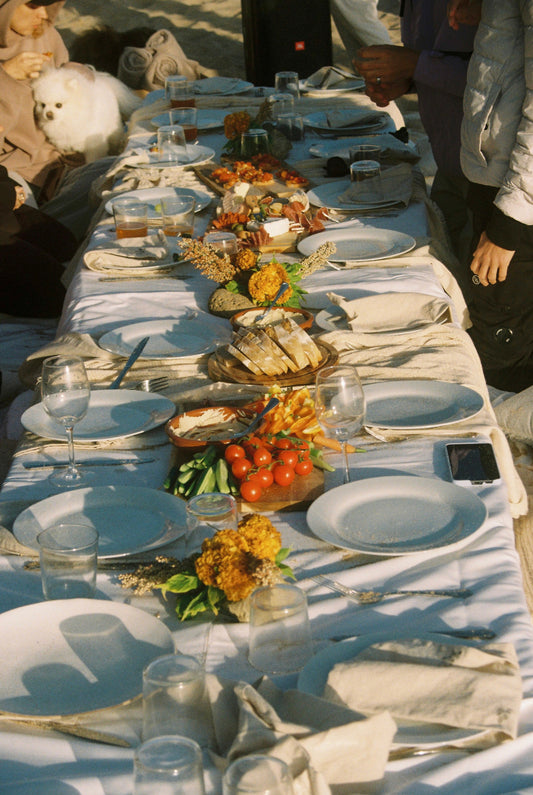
283 474
304 466
261 457
301 446
251 491
240 467
282 444
289 457
233 452
265 477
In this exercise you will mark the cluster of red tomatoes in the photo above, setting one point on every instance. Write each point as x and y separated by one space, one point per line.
258 463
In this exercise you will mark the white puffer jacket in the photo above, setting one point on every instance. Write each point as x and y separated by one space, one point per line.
497 132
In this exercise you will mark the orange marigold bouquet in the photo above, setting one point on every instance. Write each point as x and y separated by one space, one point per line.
240 122
230 566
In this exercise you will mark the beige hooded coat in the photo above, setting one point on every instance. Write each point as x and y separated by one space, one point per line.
23 147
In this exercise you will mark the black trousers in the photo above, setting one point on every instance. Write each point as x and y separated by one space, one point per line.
502 313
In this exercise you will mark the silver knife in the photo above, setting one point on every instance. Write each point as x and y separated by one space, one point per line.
134 355
89 462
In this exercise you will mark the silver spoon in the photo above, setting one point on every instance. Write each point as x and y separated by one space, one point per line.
282 288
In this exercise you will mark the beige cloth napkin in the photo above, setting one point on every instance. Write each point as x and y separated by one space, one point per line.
217 85
442 353
350 116
515 415
320 741
146 67
128 255
394 184
430 682
392 311
328 77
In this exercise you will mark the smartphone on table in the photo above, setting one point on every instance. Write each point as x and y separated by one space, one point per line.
473 462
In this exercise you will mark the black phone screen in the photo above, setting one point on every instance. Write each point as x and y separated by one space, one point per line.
474 462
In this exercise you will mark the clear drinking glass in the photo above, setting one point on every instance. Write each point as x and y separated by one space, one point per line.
280 636
281 103
340 405
68 558
175 699
65 392
287 83
178 215
131 218
365 152
171 144
188 119
168 765
254 142
257 774
226 242
361 170
207 513
179 92
292 126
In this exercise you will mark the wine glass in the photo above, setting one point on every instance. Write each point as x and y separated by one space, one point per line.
340 405
65 391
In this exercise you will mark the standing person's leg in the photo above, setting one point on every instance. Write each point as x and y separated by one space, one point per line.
449 192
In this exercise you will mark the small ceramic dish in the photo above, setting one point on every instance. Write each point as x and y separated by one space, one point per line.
246 318
195 429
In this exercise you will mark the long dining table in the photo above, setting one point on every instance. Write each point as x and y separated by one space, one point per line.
49 757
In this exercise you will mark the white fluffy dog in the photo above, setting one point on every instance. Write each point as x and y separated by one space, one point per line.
81 110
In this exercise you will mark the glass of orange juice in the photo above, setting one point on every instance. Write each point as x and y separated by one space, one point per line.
178 215
179 92
131 217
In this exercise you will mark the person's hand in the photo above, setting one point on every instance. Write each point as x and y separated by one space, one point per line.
385 92
490 262
26 65
463 12
386 63
20 196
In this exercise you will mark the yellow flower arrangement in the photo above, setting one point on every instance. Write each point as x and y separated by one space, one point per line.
264 283
230 566
236 123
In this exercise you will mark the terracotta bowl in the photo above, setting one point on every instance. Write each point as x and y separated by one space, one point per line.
303 317
227 414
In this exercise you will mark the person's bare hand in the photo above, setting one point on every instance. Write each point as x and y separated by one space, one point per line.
386 63
25 65
490 262
20 196
384 93
463 12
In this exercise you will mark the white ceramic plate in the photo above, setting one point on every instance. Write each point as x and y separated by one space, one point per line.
112 414
152 197
221 86
169 339
198 155
205 120
312 679
70 656
355 84
319 121
419 404
327 195
397 515
360 245
128 520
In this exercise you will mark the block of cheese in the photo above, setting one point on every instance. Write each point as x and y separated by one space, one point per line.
276 226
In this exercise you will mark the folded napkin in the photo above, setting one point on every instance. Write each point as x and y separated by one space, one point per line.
328 77
146 67
216 85
515 416
129 254
348 117
434 682
321 742
394 184
392 311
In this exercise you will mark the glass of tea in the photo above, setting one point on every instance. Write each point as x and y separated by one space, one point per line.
186 118
178 215
131 217
179 92
171 145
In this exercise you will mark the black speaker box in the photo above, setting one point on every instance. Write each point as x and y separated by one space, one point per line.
284 35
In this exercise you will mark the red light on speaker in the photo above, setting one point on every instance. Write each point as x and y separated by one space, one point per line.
299 46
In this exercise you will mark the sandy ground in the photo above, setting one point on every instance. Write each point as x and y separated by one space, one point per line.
210 31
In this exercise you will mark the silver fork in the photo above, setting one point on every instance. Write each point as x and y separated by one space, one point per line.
154 384
372 597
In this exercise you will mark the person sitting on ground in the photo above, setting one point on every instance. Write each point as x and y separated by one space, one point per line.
33 248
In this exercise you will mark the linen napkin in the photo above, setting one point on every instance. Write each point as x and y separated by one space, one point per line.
328 77
394 184
320 741
128 255
434 682
146 67
392 311
348 117
216 85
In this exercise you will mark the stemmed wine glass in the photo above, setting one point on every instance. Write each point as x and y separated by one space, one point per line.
340 405
65 391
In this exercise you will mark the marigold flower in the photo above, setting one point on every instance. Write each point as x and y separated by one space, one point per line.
236 123
264 541
245 259
265 283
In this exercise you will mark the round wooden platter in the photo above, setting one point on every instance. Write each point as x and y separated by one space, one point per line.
222 366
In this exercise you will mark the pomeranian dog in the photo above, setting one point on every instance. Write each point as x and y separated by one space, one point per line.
82 110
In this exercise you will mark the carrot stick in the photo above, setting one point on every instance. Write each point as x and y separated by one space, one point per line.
333 444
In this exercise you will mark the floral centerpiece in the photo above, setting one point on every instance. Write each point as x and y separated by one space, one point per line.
245 274
223 575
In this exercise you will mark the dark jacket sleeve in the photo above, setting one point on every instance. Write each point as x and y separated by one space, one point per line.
7 191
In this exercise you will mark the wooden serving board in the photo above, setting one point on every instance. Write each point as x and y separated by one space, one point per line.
221 366
296 497
275 187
